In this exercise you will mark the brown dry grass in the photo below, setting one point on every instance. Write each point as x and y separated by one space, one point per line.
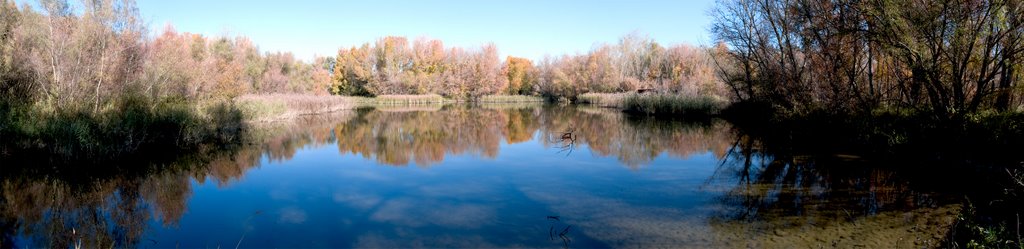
613 100
510 99
407 99
269 107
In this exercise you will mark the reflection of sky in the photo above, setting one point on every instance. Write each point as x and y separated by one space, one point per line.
321 198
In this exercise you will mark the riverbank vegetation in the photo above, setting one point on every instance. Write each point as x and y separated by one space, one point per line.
271 107
658 104
947 58
672 105
510 99
84 81
930 81
90 61
394 65
936 79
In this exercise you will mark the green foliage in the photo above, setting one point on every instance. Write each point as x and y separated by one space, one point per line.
973 232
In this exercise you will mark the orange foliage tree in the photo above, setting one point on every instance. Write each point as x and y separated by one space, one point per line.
520 74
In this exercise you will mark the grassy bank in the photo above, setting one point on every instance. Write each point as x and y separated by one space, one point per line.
433 99
510 99
660 105
610 100
672 105
272 107
438 99
132 127
404 100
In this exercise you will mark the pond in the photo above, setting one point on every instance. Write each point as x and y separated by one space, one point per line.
482 176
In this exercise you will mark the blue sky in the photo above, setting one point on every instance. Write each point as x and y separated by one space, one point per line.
526 28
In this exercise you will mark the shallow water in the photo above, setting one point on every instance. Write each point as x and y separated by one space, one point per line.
490 176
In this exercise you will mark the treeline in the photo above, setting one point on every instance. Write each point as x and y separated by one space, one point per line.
635 62
85 81
59 56
947 57
93 53
194 66
394 65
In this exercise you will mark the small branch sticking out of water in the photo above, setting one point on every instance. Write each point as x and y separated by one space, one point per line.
240 241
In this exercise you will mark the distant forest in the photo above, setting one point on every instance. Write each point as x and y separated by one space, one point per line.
60 58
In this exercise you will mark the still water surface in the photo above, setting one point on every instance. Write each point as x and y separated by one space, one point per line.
490 176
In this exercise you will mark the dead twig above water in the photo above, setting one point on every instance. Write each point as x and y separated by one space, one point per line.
567 141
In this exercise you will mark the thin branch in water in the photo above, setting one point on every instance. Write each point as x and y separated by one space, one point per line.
568 141
565 239
240 241
258 212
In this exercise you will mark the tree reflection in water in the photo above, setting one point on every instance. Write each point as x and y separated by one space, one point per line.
775 198
59 209
87 207
400 137
767 198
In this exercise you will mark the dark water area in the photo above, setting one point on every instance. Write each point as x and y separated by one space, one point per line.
483 176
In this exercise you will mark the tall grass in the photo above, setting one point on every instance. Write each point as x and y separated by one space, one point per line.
510 99
613 100
270 107
405 99
672 105
133 126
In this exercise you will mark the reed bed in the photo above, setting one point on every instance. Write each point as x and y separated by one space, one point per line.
611 100
405 99
133 126
269 107
512 105
510 99
672 105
